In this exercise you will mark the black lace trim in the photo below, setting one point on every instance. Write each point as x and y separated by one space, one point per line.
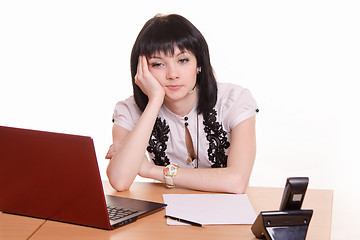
157 142
215 135
217 139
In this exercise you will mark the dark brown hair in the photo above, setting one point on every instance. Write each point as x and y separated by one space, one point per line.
161 34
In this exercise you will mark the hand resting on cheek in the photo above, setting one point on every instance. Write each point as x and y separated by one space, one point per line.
147 82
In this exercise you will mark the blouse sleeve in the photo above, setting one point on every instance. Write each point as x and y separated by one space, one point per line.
126 114
238 106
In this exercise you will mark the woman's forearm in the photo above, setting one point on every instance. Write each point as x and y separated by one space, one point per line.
126 162
227 180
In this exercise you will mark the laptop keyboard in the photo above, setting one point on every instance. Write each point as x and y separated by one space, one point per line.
116 213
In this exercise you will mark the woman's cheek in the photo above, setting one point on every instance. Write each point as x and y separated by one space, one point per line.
158 75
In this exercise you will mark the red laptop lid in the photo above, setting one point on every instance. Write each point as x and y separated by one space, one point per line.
52 176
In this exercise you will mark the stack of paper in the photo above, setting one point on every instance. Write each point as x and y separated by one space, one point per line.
208 209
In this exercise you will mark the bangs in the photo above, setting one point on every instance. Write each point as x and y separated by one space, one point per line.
161 38
167 48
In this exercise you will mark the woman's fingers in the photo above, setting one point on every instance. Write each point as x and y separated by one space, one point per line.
145 67
146 80
140 65
112 150
139 73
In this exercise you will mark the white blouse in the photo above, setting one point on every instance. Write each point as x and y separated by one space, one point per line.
210 132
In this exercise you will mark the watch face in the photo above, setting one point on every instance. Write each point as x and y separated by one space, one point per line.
171 170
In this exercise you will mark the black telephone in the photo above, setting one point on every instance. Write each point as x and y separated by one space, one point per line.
290 222
294 193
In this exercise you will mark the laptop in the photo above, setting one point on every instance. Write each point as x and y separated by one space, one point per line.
55 176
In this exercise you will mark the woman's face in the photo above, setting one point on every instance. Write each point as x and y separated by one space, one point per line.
177 73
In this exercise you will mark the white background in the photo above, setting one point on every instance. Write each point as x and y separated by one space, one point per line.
64 65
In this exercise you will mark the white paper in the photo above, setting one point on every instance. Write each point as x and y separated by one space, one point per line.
209 209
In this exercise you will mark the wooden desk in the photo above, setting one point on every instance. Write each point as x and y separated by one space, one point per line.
18 227
154 226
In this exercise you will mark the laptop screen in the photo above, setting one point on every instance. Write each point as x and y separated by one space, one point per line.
52 176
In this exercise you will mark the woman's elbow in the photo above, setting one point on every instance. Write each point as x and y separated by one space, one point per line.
237 185
120 187
116 182
237 189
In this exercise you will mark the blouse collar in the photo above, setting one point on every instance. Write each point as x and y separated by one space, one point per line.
176 118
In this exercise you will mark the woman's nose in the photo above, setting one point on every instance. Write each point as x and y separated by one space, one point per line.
172 72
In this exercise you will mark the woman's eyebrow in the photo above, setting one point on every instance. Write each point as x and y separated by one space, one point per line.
175 55
155 56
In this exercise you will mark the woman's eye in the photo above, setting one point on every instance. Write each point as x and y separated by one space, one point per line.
157 64
184 60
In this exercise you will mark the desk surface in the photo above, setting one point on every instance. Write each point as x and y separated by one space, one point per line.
18 227
154 226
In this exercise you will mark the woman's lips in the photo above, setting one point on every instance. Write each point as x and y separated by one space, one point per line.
173 87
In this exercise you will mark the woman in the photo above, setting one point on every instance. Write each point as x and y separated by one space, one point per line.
198 133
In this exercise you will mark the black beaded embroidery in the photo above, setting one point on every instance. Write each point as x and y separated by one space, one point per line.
218 142
157 142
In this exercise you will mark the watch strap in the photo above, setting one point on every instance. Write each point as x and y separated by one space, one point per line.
170 171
